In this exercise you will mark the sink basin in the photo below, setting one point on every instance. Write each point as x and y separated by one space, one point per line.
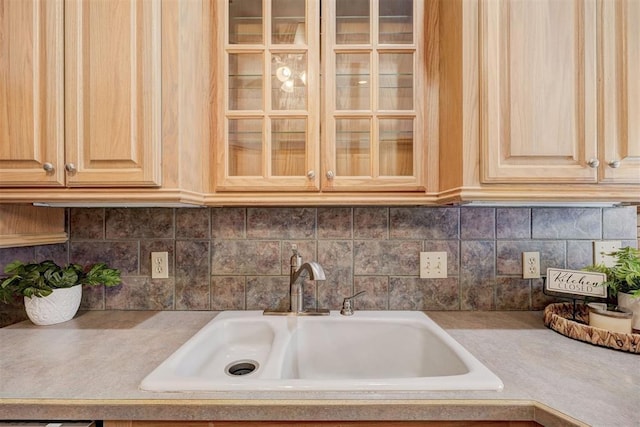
371 350
364 348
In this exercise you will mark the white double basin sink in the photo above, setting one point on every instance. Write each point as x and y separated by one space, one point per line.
371 350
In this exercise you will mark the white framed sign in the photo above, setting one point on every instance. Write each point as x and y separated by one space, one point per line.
576 282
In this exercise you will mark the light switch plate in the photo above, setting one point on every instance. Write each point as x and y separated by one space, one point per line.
433 265
601 249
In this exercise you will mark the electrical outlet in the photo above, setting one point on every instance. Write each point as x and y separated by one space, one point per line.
159 265
433 265
530 265
601 249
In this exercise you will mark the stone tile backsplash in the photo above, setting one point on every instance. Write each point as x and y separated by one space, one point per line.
238 258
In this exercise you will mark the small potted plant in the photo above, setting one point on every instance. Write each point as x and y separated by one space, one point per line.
623 280
52 293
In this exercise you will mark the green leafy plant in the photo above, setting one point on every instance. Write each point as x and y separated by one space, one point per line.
624 276
40 279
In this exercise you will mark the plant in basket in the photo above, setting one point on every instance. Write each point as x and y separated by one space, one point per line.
623 280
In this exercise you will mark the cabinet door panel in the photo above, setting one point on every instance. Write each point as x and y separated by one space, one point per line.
538 91
621 91
267 96
31 93
113 92
375 135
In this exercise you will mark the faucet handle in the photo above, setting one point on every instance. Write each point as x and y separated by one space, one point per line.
296 258
347 304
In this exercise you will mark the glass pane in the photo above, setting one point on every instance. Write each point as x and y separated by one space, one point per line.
353 147
245 81
396 147
288 22
288 147
289 81
245 147
396 81
353 81
352 22
396 22
245 22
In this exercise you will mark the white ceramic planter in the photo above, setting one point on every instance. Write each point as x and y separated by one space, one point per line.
58 307
612 319
633 304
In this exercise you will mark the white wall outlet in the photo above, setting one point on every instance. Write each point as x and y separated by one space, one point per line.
601 249
530 265
433 265
159 265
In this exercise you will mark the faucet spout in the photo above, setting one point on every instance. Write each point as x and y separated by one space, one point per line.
313 271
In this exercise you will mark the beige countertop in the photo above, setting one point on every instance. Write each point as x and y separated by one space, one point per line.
90 368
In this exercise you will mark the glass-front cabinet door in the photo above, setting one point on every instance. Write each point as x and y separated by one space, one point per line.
283 107
372 127
268 132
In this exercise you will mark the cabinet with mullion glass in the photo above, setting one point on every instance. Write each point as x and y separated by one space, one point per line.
374 57
372 94
270 133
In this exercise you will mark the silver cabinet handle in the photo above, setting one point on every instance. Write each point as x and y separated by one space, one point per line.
70 167
311 174
330 175
48 167
614 164
593 163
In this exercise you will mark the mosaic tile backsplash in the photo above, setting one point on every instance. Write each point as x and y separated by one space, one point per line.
238 258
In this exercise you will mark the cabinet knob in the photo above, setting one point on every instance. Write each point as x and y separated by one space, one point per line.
70 167
330 175
48 167
614 164
593 163
311 174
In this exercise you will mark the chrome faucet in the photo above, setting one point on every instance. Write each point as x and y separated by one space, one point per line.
313 271
297 274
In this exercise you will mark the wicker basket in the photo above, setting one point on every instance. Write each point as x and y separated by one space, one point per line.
559 317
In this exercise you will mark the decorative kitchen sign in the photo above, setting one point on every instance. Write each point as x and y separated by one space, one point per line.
576 282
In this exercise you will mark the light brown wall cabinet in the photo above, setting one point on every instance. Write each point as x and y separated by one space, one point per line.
103 101
82 99
31 93
370 135
541 99
541 64
113 92
538 112
620 91
236 103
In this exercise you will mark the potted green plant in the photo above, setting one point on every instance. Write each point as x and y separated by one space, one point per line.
623 280
52 294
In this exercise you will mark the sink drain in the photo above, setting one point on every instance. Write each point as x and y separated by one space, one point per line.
241 367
